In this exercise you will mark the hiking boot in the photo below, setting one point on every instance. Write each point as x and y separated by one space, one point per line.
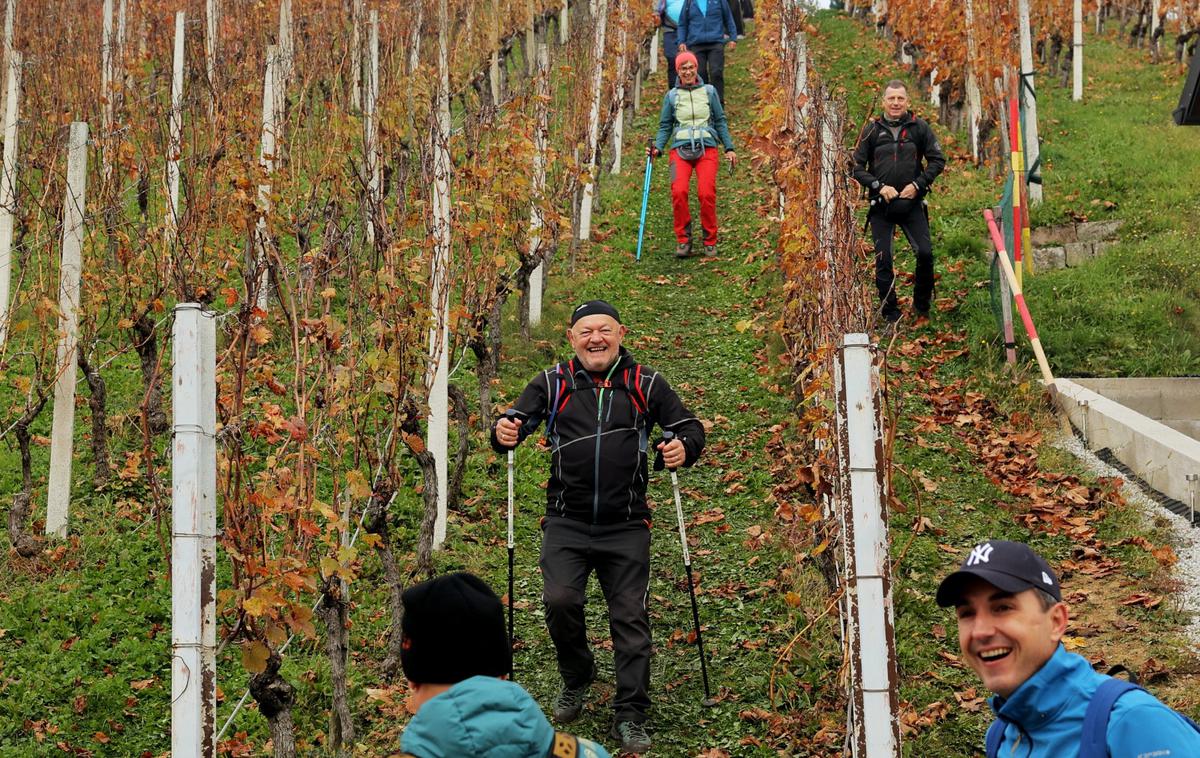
569 703
891 316
633 736
683 249
710 251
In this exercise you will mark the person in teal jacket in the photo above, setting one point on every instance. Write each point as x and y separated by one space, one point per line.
455 654
1011 621
486 716
693 122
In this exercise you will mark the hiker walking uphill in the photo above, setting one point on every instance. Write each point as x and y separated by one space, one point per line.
888 162
705 27
693 121
1048 702
600 408
668 18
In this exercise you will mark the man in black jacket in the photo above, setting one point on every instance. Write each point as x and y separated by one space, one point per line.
888 162
600 408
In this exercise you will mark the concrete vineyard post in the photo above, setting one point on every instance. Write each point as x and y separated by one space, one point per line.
175 145
618 107
1029 99
541 130
439 332
564 23
266 160
212 20
600 18
874 678
371 127
654 50
8 184
193 533
61 436
356 56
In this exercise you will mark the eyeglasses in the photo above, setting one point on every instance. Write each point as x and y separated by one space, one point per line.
687 67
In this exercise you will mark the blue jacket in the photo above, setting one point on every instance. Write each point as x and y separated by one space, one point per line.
1045 716
710 28
667 122
669 11
484 717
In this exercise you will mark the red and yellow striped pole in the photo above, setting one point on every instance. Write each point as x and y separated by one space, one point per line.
1015 283
1018 170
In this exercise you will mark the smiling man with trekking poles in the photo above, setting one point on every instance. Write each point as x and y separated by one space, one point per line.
600 408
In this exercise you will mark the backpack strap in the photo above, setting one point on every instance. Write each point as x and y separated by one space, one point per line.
995 735
1093 742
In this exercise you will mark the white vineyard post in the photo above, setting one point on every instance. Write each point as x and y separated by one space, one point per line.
541 130
212 22
875 722
8 184
974 100
266 160
1029 99
193 533
494 67
287 49
654 50
175 145
530 40
58 497
618 107
356 56
371 128
564 23
439 332
600 18
10 10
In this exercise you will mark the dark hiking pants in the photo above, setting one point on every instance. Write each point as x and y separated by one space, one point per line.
710 64
916 229
670 50
620 556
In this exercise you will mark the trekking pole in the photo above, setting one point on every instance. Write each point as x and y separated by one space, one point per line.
687 566
645 200
511 415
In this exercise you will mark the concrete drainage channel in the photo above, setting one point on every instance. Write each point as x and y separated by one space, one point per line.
1147 431
1149 427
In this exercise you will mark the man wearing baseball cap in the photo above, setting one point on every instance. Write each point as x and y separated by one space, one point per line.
455 654
1048 702
600 408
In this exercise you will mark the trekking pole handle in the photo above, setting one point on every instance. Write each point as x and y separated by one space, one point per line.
511 415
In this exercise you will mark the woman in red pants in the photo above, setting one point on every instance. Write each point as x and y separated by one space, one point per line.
693 121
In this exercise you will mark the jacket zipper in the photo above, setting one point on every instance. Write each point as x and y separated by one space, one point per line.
599 429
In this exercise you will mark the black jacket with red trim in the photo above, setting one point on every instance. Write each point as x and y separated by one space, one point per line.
599 453
893 155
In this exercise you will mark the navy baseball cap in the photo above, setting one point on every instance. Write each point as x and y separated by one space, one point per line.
1010 566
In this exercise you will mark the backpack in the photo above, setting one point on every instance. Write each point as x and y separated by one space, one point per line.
565 386
564 746
1093 740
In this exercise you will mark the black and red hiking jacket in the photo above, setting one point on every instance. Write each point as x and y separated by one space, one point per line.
599 453
895 155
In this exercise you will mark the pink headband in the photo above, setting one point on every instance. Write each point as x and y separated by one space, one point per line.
685 57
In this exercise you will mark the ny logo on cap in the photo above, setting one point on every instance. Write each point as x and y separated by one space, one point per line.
980 554
1046 578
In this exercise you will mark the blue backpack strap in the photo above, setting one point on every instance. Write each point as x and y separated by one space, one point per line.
1093 742
995 734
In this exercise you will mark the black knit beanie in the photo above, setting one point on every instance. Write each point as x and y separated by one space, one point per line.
453 629
595 307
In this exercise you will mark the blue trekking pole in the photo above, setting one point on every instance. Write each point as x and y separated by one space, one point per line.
645 200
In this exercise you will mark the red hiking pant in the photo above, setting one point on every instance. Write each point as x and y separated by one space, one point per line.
706 190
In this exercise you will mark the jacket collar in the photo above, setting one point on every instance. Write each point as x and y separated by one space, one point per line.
906 120
698 85
1041 697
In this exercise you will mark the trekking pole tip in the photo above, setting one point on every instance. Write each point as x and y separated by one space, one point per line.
709 702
